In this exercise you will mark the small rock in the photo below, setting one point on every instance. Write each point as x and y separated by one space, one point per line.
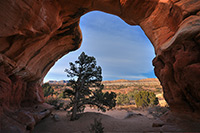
56 117
158 123
129 114
149 116
170 128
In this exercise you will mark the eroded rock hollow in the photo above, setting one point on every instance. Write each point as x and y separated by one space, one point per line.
34 34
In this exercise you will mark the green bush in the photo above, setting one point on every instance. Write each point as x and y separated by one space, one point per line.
145 99
55 102
62 95
131 94
96 127
122 99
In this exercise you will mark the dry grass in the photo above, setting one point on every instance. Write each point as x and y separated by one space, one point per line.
126 107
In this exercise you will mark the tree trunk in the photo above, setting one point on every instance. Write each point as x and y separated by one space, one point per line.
74 111
75 108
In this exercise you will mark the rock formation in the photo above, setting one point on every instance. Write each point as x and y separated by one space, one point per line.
151 82
34 34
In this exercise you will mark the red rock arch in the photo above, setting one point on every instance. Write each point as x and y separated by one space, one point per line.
35 34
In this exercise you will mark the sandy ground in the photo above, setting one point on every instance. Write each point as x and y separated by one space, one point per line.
115 121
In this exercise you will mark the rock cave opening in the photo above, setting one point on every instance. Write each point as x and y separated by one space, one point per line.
123 51
35 34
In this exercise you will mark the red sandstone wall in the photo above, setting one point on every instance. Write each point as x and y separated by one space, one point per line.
34 34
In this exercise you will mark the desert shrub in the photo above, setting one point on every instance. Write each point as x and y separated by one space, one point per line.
153 100
62 95
131 94
47 89
55 102
140 87
158 89
145 99
96 127
51 101
122 99
120 87
158 111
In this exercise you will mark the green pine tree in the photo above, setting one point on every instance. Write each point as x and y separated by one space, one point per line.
86 86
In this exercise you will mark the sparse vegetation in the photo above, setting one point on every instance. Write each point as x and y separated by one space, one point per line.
145 99
48 90
122 99
140 98
97 127
93 93
131 94
55 102
158 111
51 96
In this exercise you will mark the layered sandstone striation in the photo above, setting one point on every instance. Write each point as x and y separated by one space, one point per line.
34 34
142 82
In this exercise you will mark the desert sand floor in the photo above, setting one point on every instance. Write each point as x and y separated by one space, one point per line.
116 121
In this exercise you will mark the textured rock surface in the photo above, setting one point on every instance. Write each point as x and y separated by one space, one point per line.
144 82
34 34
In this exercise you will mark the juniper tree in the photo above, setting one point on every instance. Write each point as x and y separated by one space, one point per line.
145 99
86 86
122 99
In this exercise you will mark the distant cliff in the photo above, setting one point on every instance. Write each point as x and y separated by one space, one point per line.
61 82
142 82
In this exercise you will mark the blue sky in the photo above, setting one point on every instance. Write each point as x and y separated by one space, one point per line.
122 51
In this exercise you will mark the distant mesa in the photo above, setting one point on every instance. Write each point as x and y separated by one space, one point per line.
142 82
148 81
61 82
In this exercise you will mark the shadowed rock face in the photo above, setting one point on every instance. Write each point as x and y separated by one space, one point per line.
34 34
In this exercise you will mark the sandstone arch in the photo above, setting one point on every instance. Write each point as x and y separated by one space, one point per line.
36 33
